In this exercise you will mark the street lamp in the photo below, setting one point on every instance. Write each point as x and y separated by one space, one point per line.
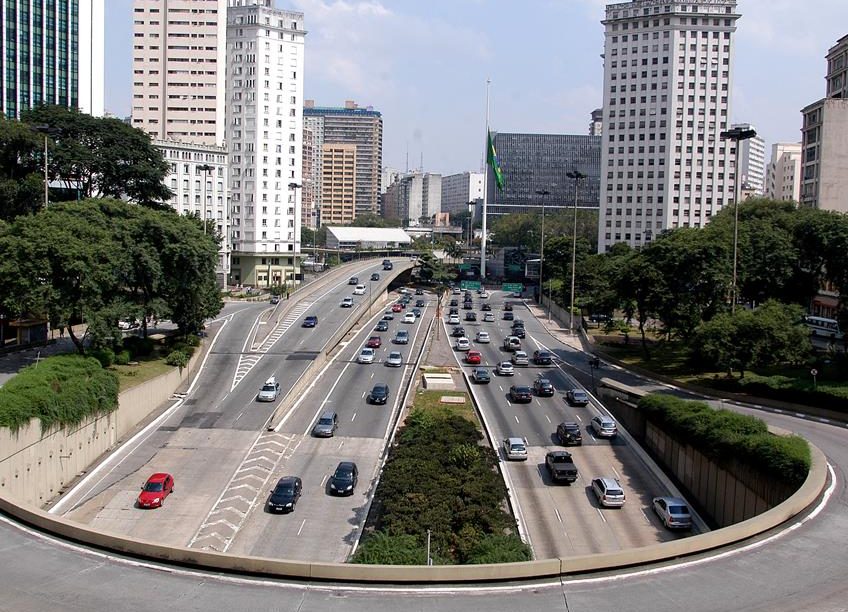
737 135
205 169
543 193
293 185
48 131
576 175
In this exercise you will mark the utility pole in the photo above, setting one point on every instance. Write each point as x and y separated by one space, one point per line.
576 175
543 193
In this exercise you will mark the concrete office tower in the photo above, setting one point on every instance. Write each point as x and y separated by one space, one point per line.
460 189
752 162
596 126
52 53
824 142
179 55
310 193
362 127
668 70
783 174
414 198
264 136
389 176
338 184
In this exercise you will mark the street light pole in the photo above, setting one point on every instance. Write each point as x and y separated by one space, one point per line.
736 135
47 131
205 169
543 193
576 175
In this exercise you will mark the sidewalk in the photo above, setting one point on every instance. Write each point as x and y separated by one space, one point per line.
557 329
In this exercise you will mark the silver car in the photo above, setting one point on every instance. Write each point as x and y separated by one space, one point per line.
520 358
604 427
366 355
673 512
515 449
269 391
505 369
394 360
609 492
326 425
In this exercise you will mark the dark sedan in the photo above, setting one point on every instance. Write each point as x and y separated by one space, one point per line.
458 332
471 316
568 433
486 307
379 394
285 495
520 394
344 479
310 321
542 357
543 387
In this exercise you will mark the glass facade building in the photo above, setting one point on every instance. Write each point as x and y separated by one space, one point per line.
539 162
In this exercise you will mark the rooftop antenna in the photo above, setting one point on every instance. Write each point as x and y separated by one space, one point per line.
422 162
407 157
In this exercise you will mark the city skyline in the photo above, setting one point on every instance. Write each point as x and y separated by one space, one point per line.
384 55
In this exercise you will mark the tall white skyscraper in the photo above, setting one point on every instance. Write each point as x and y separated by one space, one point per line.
458 190
783 176
264 134
752 162
668 68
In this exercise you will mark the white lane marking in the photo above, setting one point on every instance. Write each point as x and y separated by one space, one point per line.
324 480
500 387
516 418
577 416
372 376
647 520
601 514
549 419
301 527
239 416
615 471
353 418
559 517
363 394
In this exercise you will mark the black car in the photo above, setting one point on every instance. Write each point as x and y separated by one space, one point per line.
508 307
419 291
379 394
541 357
520 394
486 307
468 305
375 276
458 331
454 303
507 316
416 312
285 495
453 311
420 303
519 332
471 316
382 326
517 323
310 321
481 375
568 433
543 387
344 479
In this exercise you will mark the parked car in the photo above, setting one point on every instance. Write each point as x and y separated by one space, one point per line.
285 494
375 277
366 355
568 433
507 316
504 368
347 302
382 326
673 512
481 375
520 394
401 337
489 317
483 337
515 449
379 394
325 426
269 391
310 321
604 427
155 490
577 397
609 492
344 479
541 357
395 359
409 317
374 342
561 466
462 344
543 387
359 290
473 357
520 358
453 319
470 316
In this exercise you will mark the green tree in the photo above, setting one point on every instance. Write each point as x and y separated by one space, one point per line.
21 175
374 220
641 288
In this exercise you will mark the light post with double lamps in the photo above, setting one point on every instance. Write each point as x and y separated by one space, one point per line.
205 169
49 132
576 175
737 135
543 193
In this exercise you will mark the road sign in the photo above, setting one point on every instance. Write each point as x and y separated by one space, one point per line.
511 287
464 266
467 285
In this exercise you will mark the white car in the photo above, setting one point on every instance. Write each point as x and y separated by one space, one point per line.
604 427
488 317
347 302
409 317
484 295
394 360
269 391
366 355
453 320
360 290
515 449
520 358
505 369
463 344
483 337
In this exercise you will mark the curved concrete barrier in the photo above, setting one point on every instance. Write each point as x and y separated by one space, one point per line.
806 495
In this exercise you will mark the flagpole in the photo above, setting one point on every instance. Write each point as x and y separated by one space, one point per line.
485 189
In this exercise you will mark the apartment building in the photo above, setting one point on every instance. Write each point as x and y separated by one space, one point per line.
338 184
783 175
414 198
752 162
458 190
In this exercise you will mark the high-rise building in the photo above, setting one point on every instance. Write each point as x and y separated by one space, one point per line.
338 184
458 190
824 182
752 162
668 69
179 56
783 174
310 200
596 125
362 127
414 198
541 162
264 135
52 52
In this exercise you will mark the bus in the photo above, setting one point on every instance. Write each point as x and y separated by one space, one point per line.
820 326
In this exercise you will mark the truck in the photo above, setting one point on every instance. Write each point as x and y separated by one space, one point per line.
561 466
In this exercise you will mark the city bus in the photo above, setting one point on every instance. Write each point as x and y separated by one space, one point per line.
820 326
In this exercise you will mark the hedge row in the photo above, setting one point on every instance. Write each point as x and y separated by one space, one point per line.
439 477
789 389
720 434
62 390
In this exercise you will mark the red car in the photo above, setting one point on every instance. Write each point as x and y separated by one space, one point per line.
397 307
155 490
473 357
374 342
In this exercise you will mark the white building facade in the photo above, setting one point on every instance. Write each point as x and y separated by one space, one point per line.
783 174
458 190
264 134
668 69
414 198
752 162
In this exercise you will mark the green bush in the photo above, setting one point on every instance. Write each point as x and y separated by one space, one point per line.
192 340
722 434
139 347
105 356
177 359
62 390
827 395
122 358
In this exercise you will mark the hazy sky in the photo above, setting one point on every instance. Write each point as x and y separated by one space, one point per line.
424 65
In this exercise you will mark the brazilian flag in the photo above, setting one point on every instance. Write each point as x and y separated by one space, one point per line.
492 160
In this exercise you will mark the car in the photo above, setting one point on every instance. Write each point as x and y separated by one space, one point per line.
599 318
420 303
453 311
397 307
454 304
515 449
473 357
453 319
484 294
511 344
379 394
456 291
609 492
403 291
673 512
353 280
467 305
404 299
347 302
374 342
310 321
155 490
458 331
416 312
325 426
507 315
269 391
517 323
507 307
388 316
543 387
486 307
401 337
481 375
516 294
382 326
520 358
375 277
504 368
275 299
395 359
366 355
127 325
568 433
419 291
344 479
483 337
387 265
604 426
409 317
470 316
518 332
462 344
285 494
359 290
561 467
489 317
520 394
541 357
577 397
